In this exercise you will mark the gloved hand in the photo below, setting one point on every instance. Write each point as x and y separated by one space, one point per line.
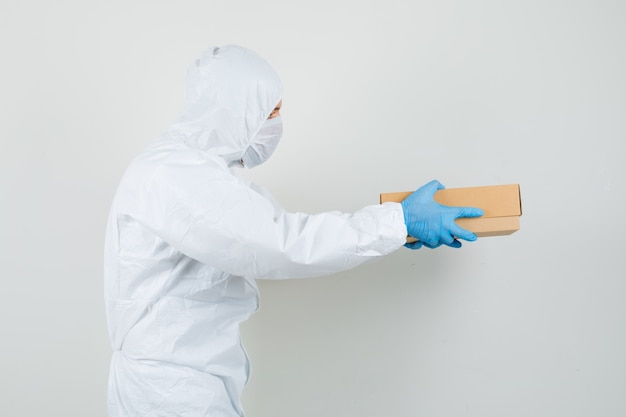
433 224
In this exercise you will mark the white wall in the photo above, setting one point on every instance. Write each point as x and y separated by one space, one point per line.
380 96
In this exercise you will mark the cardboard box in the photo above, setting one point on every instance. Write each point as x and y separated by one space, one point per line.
501 203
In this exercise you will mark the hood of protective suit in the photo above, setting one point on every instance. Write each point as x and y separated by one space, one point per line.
230 91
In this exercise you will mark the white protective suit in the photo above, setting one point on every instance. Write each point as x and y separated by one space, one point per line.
186 239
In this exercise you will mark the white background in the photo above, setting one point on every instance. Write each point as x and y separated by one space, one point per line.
380 96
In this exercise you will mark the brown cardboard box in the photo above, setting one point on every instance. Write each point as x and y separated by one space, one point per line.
501 203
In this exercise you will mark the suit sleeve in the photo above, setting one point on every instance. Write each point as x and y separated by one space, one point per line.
212 216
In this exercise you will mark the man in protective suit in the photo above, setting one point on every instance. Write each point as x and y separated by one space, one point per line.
187 238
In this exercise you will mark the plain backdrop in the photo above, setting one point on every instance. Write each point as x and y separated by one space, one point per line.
379 97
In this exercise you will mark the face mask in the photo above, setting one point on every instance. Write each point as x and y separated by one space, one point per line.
264 143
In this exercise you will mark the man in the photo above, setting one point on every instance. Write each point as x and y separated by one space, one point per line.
186 239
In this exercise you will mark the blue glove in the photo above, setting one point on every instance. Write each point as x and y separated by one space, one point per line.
433 224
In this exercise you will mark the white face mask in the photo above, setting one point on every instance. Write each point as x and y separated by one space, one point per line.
264 143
